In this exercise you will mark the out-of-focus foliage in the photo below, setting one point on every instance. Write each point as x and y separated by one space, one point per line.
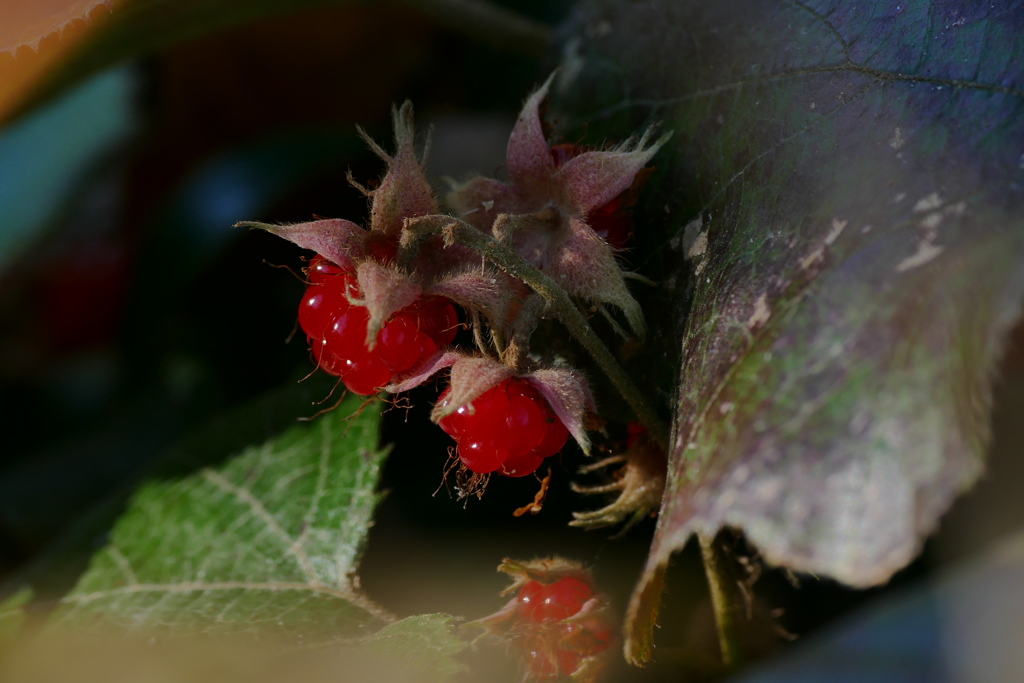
45 157
963 627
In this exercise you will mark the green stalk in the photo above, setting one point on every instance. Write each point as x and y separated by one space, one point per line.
724 608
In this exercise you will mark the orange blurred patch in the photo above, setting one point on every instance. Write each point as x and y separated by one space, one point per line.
36 36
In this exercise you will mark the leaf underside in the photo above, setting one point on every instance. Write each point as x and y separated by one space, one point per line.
845 184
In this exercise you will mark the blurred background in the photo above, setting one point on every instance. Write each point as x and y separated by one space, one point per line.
141 335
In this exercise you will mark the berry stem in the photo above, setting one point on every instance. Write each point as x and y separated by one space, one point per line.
488 349
456 231
516 352
725 609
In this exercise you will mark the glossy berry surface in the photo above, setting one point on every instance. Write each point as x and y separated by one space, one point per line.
321 270
510 428
556 601
611 221
337 330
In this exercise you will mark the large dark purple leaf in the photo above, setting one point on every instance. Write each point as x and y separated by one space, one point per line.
850 241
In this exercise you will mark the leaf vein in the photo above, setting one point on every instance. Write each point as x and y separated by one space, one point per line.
246 497
123 564
828 24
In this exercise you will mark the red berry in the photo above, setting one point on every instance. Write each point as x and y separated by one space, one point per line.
521 465
346 337
337 330
325 360
555 437
509 427
525 419
320 270
365 375
323 302
557 622
400 343
383 248
545 663
634 430
556 652
436 317
612 223
553 649
556 601
481 456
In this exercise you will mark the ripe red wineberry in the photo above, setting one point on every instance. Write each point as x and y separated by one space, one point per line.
510 428
321 270
539 602
552 646
337 330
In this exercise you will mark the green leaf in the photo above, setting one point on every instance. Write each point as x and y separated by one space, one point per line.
847 186
265 546
423 643
268 544
12 614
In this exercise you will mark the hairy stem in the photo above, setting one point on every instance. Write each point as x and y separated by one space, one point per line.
563 307
725 608
521 330
478 337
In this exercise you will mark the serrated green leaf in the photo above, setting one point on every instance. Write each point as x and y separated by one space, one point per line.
268 544
847 179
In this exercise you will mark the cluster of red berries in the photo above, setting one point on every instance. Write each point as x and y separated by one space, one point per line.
551 633
610 221
510 428
337 329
